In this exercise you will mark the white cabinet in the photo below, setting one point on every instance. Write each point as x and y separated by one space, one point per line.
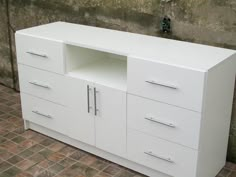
158 106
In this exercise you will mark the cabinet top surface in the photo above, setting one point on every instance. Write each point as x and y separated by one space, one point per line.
184 54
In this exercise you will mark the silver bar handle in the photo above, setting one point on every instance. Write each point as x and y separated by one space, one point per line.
39 84
37 54
161 122
150 153
42 114
169 85
88 100
95 101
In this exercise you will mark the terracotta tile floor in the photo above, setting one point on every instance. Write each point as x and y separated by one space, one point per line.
31 154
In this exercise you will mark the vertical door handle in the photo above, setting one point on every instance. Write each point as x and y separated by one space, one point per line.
95 102
88 100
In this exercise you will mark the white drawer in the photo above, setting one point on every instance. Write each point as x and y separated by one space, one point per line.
42 84
44 113
160 155
50 86
40 53
164 121
170 84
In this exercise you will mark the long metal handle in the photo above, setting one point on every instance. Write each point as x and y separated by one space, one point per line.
88 100
95 101
161 122
159 157
39 84
169 85
42 114
37 54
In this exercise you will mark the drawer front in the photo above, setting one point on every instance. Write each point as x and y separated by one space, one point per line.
42 84
53 87
164 121
44 113
160 155
40 53
165 83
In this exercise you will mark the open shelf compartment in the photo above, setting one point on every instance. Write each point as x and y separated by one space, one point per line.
97 66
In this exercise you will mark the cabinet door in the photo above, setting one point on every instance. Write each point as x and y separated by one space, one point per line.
81 118
110 119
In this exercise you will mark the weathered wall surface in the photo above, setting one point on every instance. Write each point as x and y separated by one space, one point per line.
211 22
5 64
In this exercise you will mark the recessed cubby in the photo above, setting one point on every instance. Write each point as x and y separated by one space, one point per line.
96 66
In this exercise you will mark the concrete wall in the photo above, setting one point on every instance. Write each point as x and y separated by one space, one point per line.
211 22
5 62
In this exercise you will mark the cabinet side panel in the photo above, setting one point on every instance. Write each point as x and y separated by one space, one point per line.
216 118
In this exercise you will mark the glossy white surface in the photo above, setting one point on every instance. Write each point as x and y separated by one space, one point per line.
216 118
184 160
177 86
81 123
177 116
130 44
186 124
110 73
40 53
42 84
110 120
44 113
